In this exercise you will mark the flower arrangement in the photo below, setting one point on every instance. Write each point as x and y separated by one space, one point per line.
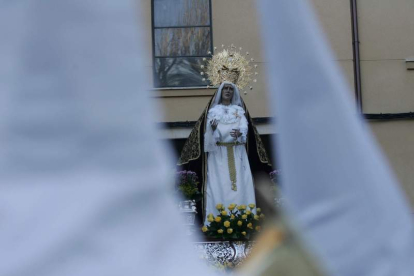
238 223
187 184
274 176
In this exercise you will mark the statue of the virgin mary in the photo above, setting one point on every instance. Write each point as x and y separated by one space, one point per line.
221 147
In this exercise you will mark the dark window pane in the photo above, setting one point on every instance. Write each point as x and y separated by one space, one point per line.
169 13
182 41
178 72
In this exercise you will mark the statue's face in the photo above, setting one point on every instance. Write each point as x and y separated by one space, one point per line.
227 92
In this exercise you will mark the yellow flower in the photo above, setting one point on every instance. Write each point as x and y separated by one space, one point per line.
244 216
258 210
210 219
240 223
229 230
258 228
252 206
244 233
217 219
232 216
232 206
204 229
219 206
250 225
226 223
248 213
223 213
210 215
256 217
262 216
241 207
220 231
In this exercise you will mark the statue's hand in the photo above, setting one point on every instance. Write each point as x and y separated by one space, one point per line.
235 133
214 124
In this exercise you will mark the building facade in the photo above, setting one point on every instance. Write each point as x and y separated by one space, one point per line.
372 39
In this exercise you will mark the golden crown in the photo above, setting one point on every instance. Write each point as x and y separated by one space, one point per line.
230 65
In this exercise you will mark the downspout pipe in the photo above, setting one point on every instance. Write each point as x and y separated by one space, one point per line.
356 53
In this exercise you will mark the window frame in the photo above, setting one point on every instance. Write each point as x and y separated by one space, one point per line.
154 57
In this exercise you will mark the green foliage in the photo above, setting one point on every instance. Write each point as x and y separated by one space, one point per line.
188 190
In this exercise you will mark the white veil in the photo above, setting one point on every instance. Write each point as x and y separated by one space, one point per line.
236 100
211 137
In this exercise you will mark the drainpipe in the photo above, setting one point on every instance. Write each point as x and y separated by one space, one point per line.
356 52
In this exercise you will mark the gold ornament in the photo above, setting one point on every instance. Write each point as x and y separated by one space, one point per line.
229 65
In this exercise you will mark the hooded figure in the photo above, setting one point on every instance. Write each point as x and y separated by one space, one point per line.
225 150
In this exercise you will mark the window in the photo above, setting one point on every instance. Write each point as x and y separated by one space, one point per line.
182 37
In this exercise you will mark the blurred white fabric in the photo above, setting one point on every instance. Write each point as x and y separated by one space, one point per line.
340 189
83 178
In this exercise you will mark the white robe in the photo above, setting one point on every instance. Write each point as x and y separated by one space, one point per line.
218 183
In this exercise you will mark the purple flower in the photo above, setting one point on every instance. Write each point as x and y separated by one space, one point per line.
186 178
274 174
